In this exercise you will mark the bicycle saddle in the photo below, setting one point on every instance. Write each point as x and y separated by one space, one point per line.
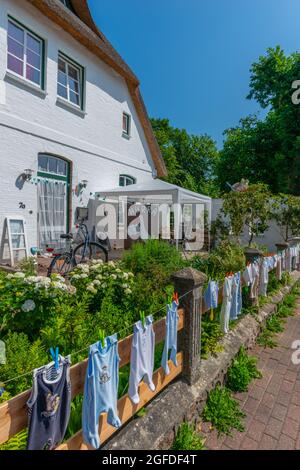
66 236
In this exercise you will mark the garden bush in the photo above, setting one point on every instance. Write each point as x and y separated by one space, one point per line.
241 372
227 257
187 438
223 411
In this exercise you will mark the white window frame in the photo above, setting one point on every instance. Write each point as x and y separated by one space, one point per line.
127 178
24 60
79 68
127 132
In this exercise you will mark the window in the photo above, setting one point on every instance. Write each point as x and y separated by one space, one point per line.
24 53
53 165
69 81
67 4
126 180
126 124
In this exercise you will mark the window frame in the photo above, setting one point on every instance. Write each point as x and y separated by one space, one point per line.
126 178
81 83
26 30
126 133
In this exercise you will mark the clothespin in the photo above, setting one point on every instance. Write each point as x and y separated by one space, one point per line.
55 357
142 318
175 298
2 390
102 337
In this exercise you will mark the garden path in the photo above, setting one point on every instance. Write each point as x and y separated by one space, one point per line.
272 403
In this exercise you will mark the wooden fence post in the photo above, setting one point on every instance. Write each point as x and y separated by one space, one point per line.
189 283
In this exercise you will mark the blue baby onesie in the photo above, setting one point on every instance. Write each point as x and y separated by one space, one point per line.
142 358
101 389
211 295
236 304
171 337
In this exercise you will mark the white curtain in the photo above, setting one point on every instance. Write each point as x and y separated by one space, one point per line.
52 211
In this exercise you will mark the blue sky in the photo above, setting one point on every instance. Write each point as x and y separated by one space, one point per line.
193 56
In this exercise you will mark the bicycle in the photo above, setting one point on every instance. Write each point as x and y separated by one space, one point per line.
63 263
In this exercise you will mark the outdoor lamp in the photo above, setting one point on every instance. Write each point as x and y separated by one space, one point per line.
83 184
27 174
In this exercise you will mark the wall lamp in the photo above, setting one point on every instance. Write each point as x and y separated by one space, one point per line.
83 184
27 174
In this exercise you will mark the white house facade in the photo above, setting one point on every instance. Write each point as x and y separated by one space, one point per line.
72 121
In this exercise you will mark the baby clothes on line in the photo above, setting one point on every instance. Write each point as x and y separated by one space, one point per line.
279 268
236 304
226 304
264 277
49 405
171 337
211 295
101 389
142 358
247 275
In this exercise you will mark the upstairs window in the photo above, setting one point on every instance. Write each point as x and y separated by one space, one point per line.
126 124
24 53
126 180
70 81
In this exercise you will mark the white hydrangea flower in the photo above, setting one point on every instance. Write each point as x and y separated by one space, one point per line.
96 282
113 276
28 306
99 277
83 276
125 275
9 276
19 275
128 291
91 289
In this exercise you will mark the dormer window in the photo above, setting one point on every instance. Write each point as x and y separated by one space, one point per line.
126 180
67 4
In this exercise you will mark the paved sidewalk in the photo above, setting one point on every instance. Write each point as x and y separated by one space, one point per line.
272 404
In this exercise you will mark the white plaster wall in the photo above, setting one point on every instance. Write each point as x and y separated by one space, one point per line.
30 124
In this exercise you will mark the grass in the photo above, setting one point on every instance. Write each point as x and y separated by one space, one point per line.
187 438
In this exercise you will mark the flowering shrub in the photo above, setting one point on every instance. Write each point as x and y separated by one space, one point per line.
98 278
26 301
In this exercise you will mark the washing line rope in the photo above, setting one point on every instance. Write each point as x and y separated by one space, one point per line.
125 329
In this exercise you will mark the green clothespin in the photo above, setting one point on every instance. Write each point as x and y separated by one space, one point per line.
102 337
142 318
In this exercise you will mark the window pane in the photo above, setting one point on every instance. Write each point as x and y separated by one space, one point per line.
61 65
62 91
62 78
73 85
16 226
33 59
15 65
15 48
61 167
33 75
126 123
74 98
73 73
33 44
15 32
43 163
18 241
122 182
52 165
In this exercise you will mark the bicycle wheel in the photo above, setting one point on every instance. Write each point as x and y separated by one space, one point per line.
61 264
84 253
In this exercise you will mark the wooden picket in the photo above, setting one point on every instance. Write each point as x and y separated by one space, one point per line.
13 413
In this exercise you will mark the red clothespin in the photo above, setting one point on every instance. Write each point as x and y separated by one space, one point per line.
175 298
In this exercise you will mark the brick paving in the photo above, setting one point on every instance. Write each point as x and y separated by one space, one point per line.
272 404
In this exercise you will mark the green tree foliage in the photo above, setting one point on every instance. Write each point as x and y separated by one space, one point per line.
190 159
267 150
286 211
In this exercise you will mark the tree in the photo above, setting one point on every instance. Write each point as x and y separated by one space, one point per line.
190 159
267 150
286 212
251 209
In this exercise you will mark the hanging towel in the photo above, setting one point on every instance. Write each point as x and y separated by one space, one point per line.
236 304
49 405
101 389
264 278
171 337
142 358
226 304
247 275
211 295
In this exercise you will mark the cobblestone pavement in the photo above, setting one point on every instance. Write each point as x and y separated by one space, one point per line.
272 404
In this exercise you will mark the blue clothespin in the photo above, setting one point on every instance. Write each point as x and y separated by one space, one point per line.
55 357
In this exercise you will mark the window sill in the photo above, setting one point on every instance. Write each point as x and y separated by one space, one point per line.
24 84
126 136
70 107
